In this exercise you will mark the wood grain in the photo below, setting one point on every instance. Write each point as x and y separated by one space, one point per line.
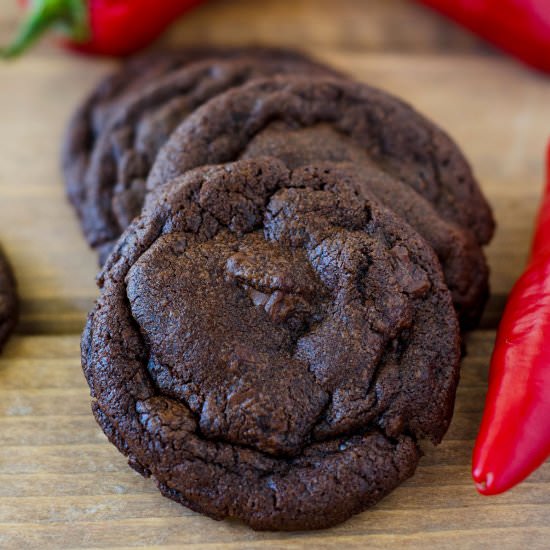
61 484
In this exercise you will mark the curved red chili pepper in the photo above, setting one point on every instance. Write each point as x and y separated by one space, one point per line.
103 27
514 437
519 27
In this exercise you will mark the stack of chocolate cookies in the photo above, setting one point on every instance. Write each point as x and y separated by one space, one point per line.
289 258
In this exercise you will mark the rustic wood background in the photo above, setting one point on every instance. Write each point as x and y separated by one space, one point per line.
61 484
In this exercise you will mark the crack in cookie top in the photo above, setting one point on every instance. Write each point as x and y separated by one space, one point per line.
8 300
398 139
114 137
270 344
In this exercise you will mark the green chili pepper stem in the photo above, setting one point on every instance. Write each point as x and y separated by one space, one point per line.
43 14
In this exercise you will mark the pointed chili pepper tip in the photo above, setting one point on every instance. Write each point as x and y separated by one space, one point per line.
481 487
483 482
492 483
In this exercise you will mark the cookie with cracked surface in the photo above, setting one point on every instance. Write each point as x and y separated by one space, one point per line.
8 300
270 345
461 257
399 140
114 183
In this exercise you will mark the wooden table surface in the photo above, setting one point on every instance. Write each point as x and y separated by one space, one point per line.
61 484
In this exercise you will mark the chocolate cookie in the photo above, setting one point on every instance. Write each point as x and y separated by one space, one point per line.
270 345
400 141
8 300
133 84
92 115
114 184
461 257
96 110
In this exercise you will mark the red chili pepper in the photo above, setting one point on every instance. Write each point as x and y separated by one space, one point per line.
104 27
519 27
514 438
